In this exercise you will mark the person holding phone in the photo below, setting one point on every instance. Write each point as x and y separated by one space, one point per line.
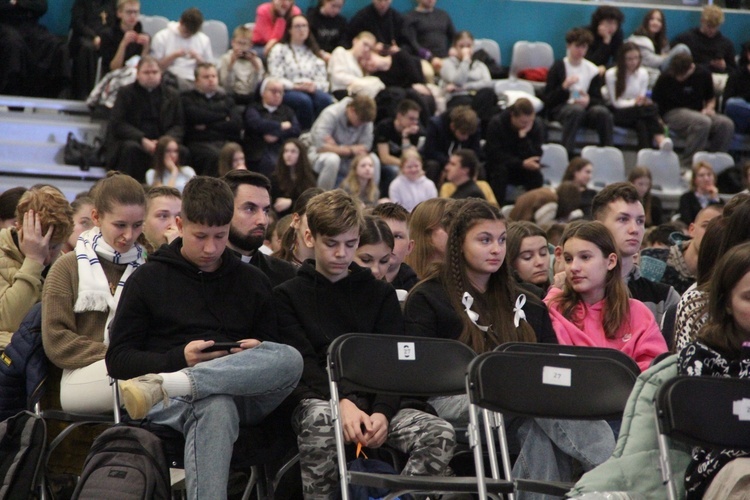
240 69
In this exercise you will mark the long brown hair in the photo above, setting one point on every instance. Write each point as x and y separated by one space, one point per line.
161 150
639 172
660 39
622 69
721 332
294 180
310 41
425 218
616 296
495 305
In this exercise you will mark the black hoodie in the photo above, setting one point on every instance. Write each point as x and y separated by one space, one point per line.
313 311
168 302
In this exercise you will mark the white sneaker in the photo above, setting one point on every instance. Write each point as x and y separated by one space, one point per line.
666 145
140 394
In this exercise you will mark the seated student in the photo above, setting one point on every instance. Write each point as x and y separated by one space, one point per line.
383 21
268 124
296 61
271 19
718 352
572 95
174 377
703 192
83 290
709 47
327 24
399 273
293 247
528 254
82 207
395 135
627 85
579 172
681 258
310 316
412 186
249 226
430 32
620 209
163 206
594 308
166 170
144 111
460 75
359 181
88 20
44 222
375 246
641 178
606 28
292 176
240 69
514 149
346 68
737 93
427 226
33 61
231 157
460 171
181 46
8 203
686 100
651 39
124 38
450 131
341 132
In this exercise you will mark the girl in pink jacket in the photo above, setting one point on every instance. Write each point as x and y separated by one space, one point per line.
593 308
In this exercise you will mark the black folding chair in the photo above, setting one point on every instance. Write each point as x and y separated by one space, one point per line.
543 385
572 350
710 412
409 366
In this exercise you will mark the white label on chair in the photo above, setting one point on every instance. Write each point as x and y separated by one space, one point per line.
406 351
741 408
553 375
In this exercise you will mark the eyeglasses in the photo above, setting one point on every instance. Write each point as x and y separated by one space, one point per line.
300 26
132 12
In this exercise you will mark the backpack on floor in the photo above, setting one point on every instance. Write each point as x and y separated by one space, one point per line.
125 462
23 439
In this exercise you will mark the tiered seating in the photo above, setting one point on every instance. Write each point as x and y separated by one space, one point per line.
32 143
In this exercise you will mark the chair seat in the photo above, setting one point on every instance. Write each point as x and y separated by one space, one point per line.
404 484
556 488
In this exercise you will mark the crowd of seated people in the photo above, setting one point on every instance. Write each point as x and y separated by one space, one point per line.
216 147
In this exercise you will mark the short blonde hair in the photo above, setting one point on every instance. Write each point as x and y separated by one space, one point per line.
697 168
242 31
52 208
712 15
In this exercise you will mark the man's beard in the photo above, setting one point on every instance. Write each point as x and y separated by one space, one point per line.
245 242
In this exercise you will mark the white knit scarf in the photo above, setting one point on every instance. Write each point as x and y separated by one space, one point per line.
94 293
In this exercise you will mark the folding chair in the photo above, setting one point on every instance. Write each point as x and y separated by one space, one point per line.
718 161
531 55
608 163
710 412
400 365
665 170
555 161
572 350
153 24
541 385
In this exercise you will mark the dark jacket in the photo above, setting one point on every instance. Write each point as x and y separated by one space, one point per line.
555 96
704 49
693 93
111 38
440 141
313 311
209 119
168 302
329 32
89 18
278 271
429 313
387 29
260 155
406 278
505 149
140 113
603 54
23 10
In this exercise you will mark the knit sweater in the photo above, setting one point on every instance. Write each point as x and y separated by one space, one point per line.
20 285
297 63
409 193
73 340
639 338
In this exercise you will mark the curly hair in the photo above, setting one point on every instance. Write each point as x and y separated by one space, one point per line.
53 210
495 305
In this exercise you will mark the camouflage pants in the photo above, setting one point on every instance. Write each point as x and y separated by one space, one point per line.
428 440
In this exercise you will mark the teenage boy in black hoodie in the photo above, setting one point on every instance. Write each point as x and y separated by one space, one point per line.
329 297
195 293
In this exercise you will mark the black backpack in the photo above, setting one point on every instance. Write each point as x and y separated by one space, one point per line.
23 440
125 462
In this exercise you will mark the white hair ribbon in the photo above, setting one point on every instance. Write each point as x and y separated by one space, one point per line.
467 301
518 313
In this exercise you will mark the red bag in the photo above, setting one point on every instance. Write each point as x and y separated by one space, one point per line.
534 74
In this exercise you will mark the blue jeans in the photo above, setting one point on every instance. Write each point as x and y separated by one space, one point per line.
738 110
306 106
236 389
